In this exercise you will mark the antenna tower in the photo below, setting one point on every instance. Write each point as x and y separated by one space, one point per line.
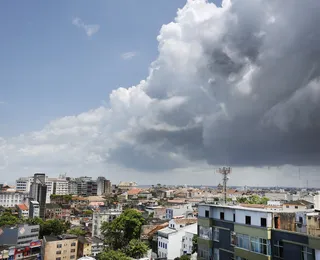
225 171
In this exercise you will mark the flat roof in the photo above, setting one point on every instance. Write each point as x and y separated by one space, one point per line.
237 207
167 231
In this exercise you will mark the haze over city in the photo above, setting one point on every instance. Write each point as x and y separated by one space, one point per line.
161 91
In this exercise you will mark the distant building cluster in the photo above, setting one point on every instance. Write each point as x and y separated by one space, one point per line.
201 222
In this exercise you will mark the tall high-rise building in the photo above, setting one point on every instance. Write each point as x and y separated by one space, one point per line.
38 192
103 186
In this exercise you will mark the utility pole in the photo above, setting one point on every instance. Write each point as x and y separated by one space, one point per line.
225 171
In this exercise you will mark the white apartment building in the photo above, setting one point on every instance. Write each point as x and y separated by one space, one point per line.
12 198
23 184
187 243
183 210
101 216
56 186
170 238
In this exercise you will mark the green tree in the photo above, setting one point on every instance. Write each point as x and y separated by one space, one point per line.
194 244
113 255
77 231
119 232
54 227
136 249
88 212
7 219
183 257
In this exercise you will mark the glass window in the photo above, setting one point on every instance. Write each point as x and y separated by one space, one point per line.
216 254
307 253
58 252
205 232
59 246
243 241
278 249
216 234
207 213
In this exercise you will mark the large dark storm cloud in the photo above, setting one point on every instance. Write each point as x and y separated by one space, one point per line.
247 79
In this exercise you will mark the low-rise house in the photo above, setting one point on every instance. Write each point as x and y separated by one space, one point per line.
298 205
133 193
157 211
184 210
89 246
23 210
170 238
144 194
60 247
66 212
53 211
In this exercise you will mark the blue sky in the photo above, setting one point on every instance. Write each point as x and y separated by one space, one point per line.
50 68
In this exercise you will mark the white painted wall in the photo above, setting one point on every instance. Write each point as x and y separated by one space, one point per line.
255 217
162 244
202 209
187 243
316 200
228 213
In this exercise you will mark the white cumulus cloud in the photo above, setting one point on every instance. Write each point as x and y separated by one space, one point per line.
231 84
90 29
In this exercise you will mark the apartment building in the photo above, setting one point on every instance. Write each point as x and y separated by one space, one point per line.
103 186
23 211
11 198
235 232
89 246
23 184
182 210
19 235
60 247
187 243
103 215
170 238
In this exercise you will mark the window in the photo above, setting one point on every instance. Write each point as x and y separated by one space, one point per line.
216 234
73 244
248 220
72 257
243 241
278 249
72 250
216 254
287 206
263 222
205 233
296 207
234 217
276 222
260 245
206 213
58 258
307 253
58 252
233 238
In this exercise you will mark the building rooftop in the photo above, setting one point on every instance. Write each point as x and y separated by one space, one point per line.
52 206
185 221
23 207
299 203
52 238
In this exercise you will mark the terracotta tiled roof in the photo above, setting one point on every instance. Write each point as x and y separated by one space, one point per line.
185 221
23 207
134 191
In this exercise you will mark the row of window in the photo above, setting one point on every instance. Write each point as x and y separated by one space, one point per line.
254 244
162 245
306 252
65 251
263 221
71 257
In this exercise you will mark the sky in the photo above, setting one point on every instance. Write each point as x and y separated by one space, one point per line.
161 91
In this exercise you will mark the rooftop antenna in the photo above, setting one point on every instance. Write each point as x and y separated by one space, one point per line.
225 171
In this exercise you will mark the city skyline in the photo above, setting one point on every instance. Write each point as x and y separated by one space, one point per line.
127 93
